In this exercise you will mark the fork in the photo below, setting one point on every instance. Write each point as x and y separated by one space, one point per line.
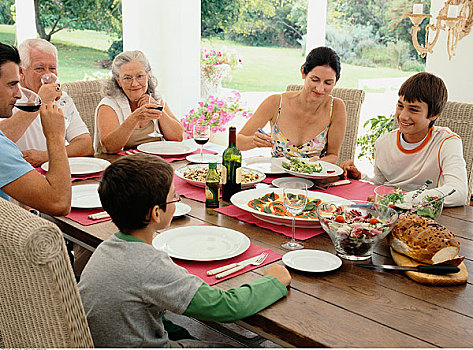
256 262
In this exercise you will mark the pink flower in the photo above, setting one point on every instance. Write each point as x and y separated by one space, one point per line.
201 104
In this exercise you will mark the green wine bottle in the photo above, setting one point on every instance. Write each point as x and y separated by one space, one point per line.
231 167
212 187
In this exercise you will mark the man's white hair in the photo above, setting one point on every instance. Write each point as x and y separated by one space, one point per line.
25 50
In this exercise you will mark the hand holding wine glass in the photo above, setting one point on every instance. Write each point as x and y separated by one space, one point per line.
155 133
295 200
29 101
201 135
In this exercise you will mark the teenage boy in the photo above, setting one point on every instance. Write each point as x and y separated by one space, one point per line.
127 285
419 151
18 179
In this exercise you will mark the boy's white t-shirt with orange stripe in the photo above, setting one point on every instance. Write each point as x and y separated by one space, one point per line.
438 158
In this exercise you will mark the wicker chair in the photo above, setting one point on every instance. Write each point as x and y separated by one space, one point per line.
353 99
459 118
40 305
86 96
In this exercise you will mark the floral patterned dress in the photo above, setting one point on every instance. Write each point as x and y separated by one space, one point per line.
283 147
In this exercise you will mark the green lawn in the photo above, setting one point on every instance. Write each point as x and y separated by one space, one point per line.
264 68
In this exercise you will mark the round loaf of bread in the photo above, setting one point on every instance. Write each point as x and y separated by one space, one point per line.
424 240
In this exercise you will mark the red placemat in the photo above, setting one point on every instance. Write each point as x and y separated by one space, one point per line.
301 233
200 268
357 190
81 216
75 177
169 159
189 191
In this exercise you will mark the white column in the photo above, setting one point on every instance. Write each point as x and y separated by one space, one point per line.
25 20
168 32
316 20
456 73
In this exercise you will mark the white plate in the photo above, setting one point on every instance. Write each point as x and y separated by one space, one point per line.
309 260
267 165
202 243
285 180
83 165
242 198
328 170
167 148
179 172
85 196
207 158
181 209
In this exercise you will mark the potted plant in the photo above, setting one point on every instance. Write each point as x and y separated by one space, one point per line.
217 112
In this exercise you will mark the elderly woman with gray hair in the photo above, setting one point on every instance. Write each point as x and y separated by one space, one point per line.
128 114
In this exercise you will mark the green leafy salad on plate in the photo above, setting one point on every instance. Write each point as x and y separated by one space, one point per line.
302 166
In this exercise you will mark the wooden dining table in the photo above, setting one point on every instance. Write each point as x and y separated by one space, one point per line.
348 307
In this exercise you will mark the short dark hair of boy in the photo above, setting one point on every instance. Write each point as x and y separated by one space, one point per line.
428 88
8 53
132 186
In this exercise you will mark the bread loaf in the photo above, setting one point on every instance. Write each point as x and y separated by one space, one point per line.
424 240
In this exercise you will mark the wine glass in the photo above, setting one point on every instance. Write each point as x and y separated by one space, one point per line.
29 100
51 78
201 135
295 200
161 106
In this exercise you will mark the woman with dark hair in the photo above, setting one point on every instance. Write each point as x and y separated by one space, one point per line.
308 123
125 116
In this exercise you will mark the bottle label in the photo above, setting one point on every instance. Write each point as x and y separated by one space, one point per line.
224 175
238 176
212 194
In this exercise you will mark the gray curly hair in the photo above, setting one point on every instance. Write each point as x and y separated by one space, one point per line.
112 88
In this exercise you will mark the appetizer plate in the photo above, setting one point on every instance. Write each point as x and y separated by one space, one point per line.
309 260
280 182
167 148
242 198
179 172
267 165
202 243
83 165
181 209
207 158
328 170
85 196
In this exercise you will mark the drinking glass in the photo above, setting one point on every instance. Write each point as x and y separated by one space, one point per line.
161 105
295 200
201 135
51 78
29 101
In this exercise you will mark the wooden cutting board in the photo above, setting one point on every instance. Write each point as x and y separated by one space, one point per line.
427 278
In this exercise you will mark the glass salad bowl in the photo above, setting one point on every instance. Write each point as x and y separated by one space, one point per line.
356 227
424 204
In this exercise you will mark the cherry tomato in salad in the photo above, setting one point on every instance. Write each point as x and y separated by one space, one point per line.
391 206
340 218
374 221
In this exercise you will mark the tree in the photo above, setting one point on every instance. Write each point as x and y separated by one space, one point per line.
6 15
217 16
56 15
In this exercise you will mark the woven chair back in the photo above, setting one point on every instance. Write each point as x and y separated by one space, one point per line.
353 99
40 306
458 117
86 96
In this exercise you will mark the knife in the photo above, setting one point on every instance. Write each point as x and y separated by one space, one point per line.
432 269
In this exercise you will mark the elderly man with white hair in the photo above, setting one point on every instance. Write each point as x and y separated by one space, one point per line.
39 60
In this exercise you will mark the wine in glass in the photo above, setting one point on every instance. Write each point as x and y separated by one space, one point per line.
29 100
161 106
201 135
295 200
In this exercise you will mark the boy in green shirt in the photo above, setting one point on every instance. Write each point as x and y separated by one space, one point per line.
127 285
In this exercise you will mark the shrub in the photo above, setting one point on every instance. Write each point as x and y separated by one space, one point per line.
378 126
412 66
115 49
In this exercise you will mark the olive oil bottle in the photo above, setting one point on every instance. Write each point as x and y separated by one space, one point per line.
212 187
231 167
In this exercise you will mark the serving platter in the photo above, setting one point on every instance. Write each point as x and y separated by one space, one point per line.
202 243
267 165
167 148
328 170
242 198
83 165
309 260
179 172
85 196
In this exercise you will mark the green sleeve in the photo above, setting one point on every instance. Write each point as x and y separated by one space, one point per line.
212 304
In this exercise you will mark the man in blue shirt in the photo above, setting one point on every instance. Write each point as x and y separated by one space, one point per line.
50 194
